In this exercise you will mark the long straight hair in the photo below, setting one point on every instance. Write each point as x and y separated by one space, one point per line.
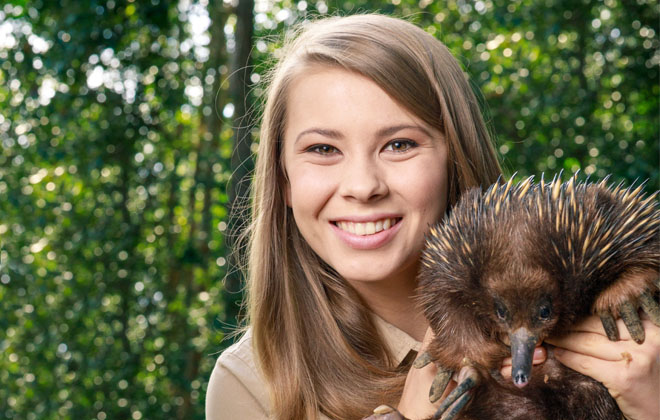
313 336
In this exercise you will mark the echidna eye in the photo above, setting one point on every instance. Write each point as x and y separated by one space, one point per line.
500 310
545 312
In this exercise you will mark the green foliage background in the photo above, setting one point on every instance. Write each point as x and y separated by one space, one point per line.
115 144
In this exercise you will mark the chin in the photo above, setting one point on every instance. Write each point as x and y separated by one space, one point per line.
371 277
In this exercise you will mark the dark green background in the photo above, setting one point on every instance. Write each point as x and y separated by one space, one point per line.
115 167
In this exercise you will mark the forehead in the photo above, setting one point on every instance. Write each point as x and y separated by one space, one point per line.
515 279
320 85
331 96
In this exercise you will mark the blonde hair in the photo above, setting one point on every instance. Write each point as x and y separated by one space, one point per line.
312 335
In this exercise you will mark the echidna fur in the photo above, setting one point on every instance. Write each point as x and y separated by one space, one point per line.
569 242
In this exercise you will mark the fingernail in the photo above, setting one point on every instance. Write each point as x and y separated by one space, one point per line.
539 353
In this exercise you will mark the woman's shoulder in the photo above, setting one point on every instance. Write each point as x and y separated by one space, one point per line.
236 388
239 357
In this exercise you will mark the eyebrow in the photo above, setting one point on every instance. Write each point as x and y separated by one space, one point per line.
383 132
333 134
388 131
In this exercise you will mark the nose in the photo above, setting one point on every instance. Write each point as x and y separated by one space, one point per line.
363 180
520 379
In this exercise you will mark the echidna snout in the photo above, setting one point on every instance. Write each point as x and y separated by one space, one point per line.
524 324
523 342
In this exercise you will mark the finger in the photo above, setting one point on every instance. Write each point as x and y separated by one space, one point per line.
593 325
468 378
589 344
587 365
385 412
414 402
540 356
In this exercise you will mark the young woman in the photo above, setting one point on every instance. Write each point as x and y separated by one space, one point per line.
370 133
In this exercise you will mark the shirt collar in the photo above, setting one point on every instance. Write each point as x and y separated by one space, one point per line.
399 344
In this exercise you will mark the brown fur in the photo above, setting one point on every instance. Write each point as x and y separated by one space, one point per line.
627 287
522 250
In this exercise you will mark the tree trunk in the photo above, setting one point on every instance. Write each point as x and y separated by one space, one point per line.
241 161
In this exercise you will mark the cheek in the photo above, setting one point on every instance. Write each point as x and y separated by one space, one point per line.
308 190
439 187
426 189
441 195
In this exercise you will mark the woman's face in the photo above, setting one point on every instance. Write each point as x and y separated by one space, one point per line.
366 177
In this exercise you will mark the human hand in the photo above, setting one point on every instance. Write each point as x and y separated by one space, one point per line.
415 403
630 371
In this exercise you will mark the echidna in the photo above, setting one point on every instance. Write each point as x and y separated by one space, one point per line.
526 261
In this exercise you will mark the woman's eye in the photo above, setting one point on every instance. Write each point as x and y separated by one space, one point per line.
322 149
400 145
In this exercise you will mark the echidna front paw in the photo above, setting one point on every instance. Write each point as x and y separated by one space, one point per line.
630 317
628 313
440 383
650 306
468 378
441 379
609 324
422 360
624 298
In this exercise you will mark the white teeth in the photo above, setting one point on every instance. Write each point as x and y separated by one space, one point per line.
368 228
346 226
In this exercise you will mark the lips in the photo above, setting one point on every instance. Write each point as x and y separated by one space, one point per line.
367 233
366 228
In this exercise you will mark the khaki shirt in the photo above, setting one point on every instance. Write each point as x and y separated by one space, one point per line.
237 390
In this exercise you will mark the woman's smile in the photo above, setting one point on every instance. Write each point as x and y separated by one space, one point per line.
367 235
366 228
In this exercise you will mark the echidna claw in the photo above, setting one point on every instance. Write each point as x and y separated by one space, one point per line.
457 407
609 325
630 317
496 374
423 360
650 306
468 378
440 383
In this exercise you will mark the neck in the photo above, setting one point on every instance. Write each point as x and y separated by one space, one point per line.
393 301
